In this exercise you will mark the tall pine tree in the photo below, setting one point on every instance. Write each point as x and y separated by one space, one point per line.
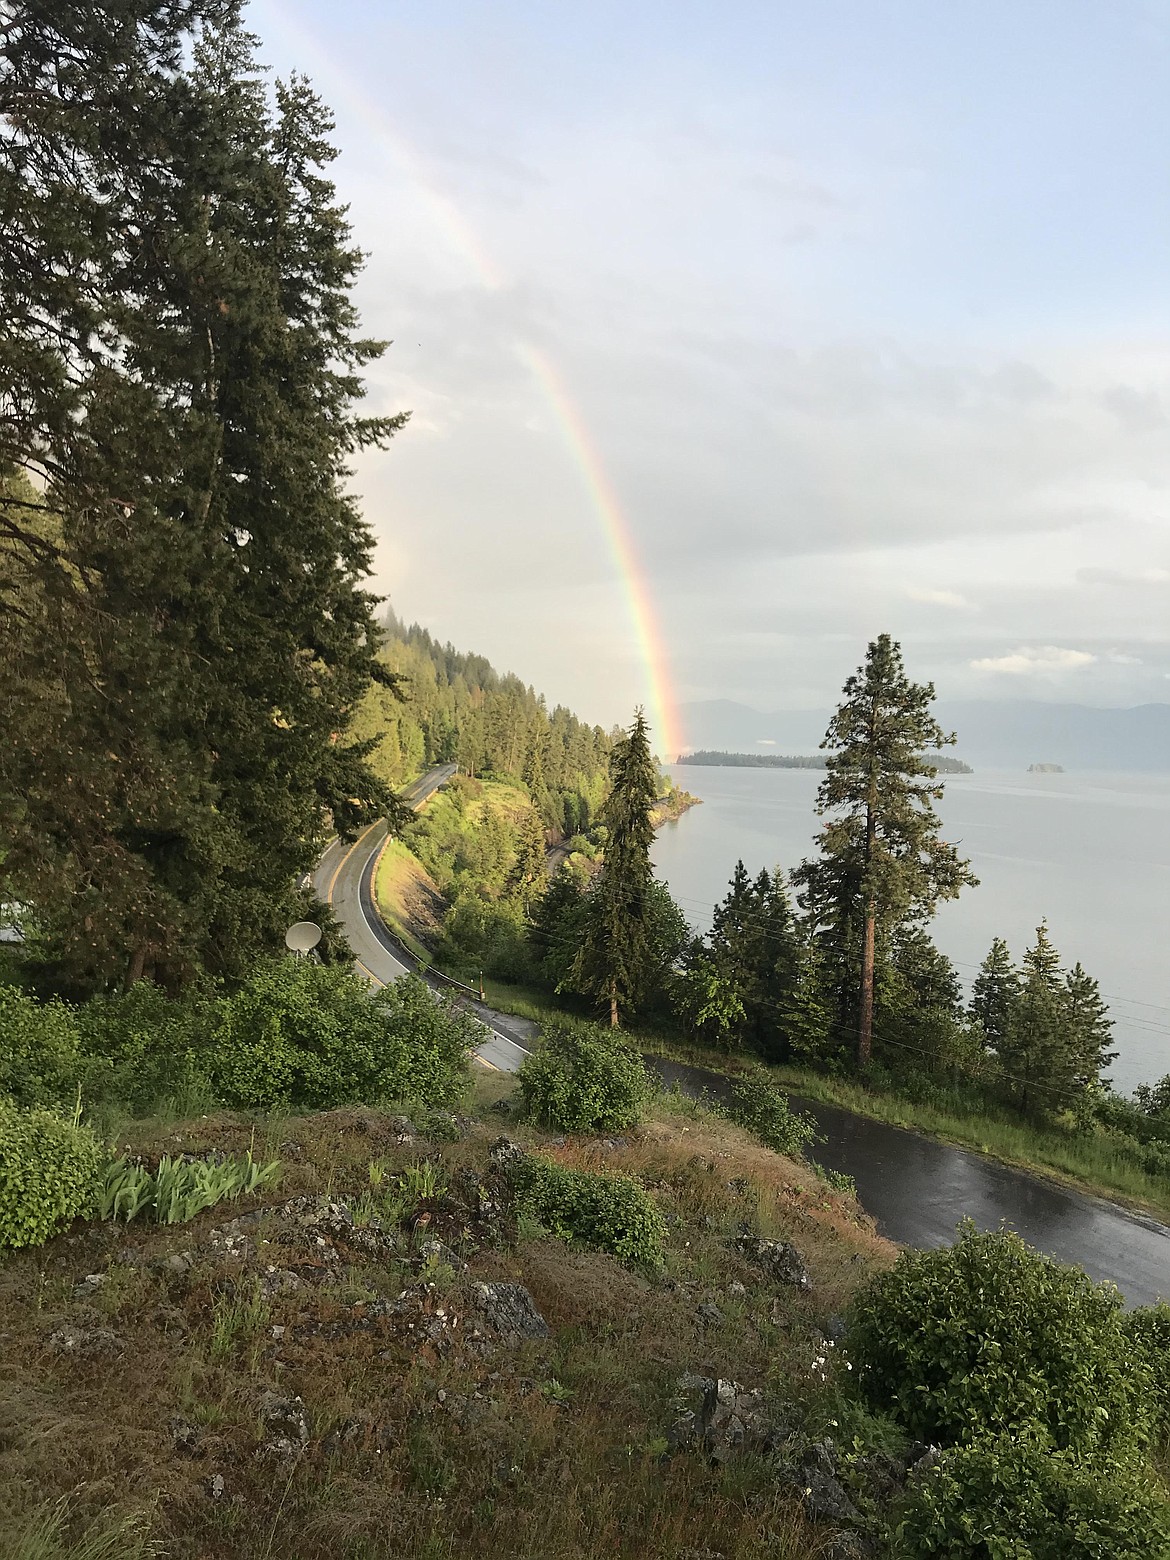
178 375
617 950
882 861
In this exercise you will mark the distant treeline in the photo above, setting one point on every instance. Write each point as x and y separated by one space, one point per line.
455 707
944 765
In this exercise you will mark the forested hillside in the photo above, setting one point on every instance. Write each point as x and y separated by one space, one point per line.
455 707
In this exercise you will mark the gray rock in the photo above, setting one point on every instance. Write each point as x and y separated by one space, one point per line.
403 1129
836 1329
504 1152
184 1436
284 1417
86 1342
89 1286
849 1546
435 1251
510 1310
736 1290
826 1499
215 1486
709 1314
922 1465
778 1258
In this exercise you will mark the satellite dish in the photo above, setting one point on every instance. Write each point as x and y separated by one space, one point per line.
302 937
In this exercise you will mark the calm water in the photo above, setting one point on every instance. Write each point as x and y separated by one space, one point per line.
1089 851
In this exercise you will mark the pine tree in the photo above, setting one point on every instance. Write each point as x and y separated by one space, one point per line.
1090 1029
1035 1053
993 994
617 951
179 276
528 876
882 862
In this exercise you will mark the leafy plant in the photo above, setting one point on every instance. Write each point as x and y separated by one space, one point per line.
766 1112
50 1173
987 1337
584 1079
1007 1497
40 1063
303 1034
1147 1330
612 1212
180 1188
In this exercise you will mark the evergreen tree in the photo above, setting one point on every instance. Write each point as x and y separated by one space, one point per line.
1036 1056
177 277
528 877
993 995
1090 1029
882 862
617 952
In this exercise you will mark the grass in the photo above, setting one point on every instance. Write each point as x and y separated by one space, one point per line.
549 1449
407 900
1098 1162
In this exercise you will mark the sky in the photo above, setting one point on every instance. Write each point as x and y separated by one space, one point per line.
735 334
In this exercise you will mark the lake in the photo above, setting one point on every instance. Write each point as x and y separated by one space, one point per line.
1089 851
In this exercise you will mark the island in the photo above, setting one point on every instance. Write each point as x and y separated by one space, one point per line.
1046 769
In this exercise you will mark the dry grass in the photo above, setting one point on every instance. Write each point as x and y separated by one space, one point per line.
547 1449
408 899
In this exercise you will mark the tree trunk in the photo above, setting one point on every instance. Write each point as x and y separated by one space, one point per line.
865 1016
137 966
613 1008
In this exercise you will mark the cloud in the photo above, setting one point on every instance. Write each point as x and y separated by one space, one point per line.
766 741
1137 577
1138 411
1044 658
936 598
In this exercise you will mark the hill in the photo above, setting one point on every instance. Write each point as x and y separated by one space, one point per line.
997 733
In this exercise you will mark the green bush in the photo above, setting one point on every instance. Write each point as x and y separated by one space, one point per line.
141 1047
986 1337
1147 1330
50 1170
303 1034
1008 1499
584 1079
611 1212
765 1110
40 1063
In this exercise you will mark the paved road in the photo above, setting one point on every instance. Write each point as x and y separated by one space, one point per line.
344 879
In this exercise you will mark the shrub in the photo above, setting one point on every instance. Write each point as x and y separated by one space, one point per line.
584 1079
611 1212
39 1059
1002 1498
303 1034
50 1170
1147 1330
765 1110
141 1047
987 1336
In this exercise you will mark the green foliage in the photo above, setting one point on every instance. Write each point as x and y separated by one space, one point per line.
612 1212
192 628
584 1079
300 1034
40 1060
616 960
881 863
179 1188
461 709
765 1110
1147 1330
707 999
50 1171
1016 1499
987 1337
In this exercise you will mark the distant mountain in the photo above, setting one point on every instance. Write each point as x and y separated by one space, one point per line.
1004 734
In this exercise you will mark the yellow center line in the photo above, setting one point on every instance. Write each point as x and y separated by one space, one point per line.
345 858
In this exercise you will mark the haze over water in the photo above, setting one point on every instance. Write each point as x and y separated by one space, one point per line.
1089 851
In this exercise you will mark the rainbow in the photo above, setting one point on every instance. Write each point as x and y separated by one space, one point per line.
662 706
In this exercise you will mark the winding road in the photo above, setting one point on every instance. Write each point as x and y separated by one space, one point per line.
916 1187
344 879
